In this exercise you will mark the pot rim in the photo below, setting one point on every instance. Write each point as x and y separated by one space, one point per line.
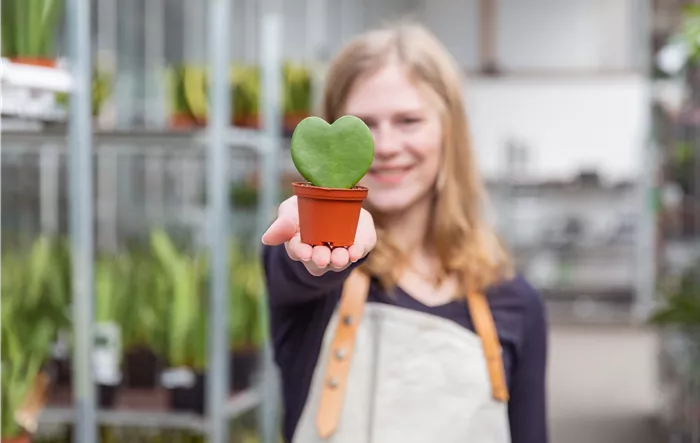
306 189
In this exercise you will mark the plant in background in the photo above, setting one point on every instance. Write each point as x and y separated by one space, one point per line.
245 301
682 163
101 91
682 307
25 347
29 29
195 88
183 278
181 116
297 95
690 33
245 91
333 158
682 51
38 281
148 302
35 293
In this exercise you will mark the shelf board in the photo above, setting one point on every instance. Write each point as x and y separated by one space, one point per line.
129 418
153 417
169 140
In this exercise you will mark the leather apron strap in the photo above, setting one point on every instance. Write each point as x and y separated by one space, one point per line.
352 303
486 329
352 306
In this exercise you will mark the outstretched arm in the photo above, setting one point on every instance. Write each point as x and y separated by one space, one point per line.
290 282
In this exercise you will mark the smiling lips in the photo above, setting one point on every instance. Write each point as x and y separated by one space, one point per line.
389 174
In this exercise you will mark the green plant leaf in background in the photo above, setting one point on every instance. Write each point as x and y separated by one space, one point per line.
29 27
690 32
682 304
155 291
32 313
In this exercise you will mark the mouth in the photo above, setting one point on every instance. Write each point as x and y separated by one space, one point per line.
389 174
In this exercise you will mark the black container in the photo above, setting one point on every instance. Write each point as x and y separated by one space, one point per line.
107 395
243 365
62 371
191 399
141 368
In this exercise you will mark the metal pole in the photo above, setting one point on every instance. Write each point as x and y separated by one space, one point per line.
155 63
49 161
81 218
271 63
646 231
218 162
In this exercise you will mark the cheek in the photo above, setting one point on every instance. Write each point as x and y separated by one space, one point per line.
428 147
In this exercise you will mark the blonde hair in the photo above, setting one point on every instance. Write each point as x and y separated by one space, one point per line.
465 245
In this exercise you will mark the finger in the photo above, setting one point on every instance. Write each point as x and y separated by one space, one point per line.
289 209
280 231
321 256
356 252
291 249
339 258
300 250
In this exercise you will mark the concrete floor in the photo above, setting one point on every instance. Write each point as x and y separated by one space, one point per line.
602 384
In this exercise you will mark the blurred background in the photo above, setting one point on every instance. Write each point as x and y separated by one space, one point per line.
586 120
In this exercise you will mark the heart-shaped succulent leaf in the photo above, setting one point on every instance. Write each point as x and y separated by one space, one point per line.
334 155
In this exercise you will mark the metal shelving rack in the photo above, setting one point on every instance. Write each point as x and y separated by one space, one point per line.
218 138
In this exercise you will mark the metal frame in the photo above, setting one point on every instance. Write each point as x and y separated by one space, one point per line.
219 137
81 227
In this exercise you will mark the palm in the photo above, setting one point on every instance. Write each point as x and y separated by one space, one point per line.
318 259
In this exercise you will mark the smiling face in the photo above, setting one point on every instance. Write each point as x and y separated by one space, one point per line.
407 134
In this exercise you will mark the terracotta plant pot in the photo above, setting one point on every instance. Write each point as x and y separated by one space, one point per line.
34 61
328 216
21 439
182 121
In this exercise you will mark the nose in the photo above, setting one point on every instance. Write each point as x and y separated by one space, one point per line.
386 141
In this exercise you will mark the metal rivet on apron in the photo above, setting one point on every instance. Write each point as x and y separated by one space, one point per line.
347 320
340 354
332 382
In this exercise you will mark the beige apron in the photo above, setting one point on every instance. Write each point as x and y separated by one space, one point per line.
387 374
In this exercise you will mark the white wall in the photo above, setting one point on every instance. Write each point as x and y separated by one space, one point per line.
564 34
532 34
456 24
567 123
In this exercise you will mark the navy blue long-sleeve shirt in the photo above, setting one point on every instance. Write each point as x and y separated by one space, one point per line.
301 307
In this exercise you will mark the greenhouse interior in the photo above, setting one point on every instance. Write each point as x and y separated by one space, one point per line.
146 148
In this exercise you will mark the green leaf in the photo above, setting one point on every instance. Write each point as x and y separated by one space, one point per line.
332 156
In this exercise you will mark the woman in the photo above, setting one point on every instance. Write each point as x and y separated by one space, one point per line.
419 332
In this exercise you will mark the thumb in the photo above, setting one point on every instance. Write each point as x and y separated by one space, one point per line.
280 231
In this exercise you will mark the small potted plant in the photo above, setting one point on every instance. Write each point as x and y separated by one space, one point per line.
29 31
332 158
25 347
246 329
297 96
184 278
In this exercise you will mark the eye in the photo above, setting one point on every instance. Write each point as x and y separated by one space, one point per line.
370 122
409 121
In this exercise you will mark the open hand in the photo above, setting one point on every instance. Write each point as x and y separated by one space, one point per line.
318 259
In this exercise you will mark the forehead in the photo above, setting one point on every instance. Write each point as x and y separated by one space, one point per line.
388 90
